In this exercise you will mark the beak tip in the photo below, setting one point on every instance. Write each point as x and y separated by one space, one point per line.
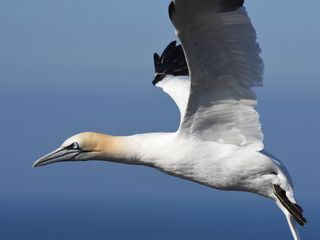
58 155
36 164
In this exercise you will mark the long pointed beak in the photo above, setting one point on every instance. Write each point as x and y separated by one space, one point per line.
58 155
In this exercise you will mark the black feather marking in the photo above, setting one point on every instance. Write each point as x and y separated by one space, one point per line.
300 208
169 51
294 209
156 59
230 5
171 62
158 78
171 10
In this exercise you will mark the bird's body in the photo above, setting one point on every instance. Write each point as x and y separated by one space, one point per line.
216 165
219 142
220 166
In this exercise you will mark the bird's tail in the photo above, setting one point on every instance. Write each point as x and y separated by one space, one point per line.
292 211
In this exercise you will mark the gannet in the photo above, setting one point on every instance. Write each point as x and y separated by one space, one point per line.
219 142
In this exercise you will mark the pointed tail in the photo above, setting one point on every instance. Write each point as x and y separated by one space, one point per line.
292 211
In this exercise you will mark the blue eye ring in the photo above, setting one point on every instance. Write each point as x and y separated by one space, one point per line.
74 146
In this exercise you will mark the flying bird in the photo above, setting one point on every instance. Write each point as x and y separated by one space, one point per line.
219 142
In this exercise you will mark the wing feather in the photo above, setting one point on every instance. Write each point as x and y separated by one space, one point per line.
220 45
177 87
171 74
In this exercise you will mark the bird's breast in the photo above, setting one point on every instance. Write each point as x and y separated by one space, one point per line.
218 166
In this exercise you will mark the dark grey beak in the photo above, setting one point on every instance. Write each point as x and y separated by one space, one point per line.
58 155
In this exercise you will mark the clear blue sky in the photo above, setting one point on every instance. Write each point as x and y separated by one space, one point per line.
72 66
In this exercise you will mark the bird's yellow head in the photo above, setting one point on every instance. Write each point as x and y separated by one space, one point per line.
82 147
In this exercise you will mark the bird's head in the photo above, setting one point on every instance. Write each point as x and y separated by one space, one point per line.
82 147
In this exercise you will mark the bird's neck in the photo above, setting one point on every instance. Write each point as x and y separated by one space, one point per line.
142 149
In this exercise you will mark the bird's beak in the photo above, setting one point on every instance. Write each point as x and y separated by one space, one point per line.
58 155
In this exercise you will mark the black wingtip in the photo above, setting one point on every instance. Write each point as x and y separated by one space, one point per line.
156 58
294 209
171 10
171 62
158 78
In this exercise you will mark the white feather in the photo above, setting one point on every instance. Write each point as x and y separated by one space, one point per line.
177 87
224 65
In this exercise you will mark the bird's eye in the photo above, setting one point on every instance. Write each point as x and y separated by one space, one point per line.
74 146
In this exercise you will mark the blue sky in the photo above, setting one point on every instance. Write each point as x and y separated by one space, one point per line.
72 66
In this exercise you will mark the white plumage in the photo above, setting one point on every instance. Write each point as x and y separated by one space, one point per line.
219 142
178 88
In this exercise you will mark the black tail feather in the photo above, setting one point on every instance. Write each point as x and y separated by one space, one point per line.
294 209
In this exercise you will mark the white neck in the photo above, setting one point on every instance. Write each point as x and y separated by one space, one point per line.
142 149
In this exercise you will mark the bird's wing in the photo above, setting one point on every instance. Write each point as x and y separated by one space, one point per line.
171 74
177 87
220 45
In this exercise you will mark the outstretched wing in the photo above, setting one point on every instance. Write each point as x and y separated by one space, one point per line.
171 74
220 45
